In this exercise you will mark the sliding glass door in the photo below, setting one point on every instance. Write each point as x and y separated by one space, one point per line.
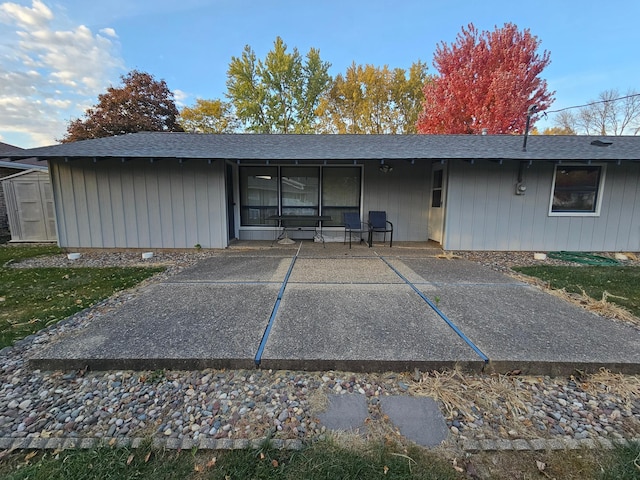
298 190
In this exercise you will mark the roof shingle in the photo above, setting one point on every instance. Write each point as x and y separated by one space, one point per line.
340 147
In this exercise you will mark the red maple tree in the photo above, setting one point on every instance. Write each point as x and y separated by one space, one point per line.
487 80
142 104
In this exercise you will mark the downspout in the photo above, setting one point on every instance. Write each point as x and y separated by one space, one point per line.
520 186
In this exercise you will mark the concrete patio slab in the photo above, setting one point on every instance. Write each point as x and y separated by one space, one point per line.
450 272
268 247
343 309
418 418
408 250
334 250
175 326
362 328
237 269
524 328
341 270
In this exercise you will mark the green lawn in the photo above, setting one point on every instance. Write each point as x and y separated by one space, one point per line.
321 460
33 298
619 281
13 253
327 460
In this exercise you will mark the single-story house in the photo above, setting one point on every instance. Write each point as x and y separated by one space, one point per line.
10 169
467 192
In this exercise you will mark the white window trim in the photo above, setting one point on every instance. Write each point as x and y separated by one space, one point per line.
603 174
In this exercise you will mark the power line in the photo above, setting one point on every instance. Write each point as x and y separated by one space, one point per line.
592 103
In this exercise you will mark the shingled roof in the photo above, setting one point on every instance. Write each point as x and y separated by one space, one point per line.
25 163
344 147
6 149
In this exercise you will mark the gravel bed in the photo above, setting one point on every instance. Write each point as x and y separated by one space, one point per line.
172 261
545 407
253 404
503 261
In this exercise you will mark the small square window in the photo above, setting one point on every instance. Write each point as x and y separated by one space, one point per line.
577 190
437 179
436 198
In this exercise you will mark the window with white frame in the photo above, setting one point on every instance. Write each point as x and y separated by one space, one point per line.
577 190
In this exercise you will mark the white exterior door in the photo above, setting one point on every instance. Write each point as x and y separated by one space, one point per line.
435 228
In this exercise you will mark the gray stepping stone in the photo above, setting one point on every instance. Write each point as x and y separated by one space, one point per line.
418 419
345 412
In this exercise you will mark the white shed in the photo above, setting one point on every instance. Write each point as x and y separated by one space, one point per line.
30 206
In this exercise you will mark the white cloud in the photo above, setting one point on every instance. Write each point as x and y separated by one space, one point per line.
180 97
61 104
25 17
109 32
50 74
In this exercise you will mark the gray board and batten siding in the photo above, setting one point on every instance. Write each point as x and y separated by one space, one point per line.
483 213
139 204
404 194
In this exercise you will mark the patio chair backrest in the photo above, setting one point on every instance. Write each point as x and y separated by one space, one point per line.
378 219
352 220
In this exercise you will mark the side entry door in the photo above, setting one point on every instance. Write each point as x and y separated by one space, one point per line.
435 228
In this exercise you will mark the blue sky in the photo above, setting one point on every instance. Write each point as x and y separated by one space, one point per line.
56 56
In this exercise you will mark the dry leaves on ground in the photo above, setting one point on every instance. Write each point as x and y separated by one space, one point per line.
460 393
602 307
625 387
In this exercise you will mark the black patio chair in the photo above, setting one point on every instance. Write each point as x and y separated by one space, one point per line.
378 223
352 224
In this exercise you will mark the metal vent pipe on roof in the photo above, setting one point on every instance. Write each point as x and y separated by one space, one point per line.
530 112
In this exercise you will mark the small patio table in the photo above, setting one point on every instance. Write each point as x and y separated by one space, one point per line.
288 223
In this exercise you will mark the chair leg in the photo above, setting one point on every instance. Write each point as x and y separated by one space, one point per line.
391 240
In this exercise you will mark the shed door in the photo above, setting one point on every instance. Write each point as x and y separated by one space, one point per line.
46 194
435 228
35 210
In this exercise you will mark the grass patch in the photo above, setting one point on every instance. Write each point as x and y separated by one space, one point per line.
620 284
15 253
624 464
330 460
33 298
101 463
594 464
322 460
